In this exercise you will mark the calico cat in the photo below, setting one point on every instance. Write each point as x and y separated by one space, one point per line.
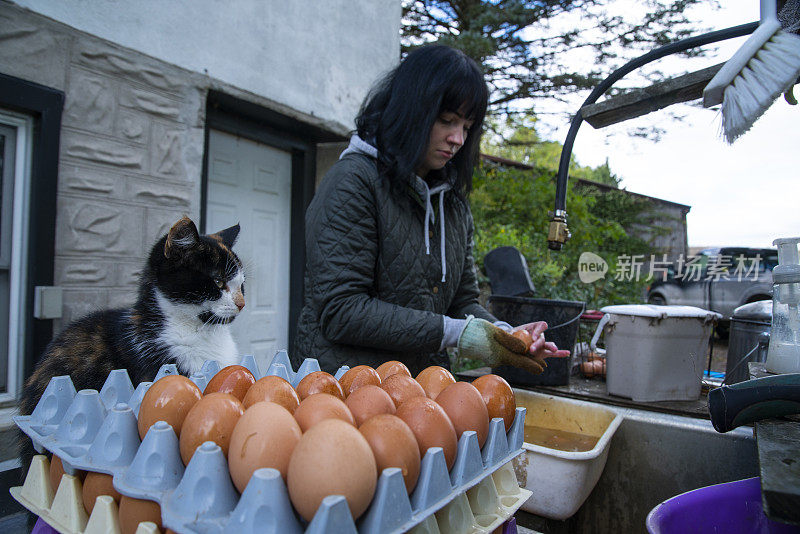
190 290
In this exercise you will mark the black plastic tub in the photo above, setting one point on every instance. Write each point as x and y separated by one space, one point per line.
563 319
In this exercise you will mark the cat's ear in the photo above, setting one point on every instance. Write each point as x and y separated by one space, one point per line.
182 236
228 236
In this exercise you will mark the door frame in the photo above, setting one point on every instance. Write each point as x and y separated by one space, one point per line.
44 105
246 119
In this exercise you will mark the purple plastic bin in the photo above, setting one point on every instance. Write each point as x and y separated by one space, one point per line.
732 507
510 526
43 528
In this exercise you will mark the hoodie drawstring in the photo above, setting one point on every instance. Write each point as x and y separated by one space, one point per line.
428 217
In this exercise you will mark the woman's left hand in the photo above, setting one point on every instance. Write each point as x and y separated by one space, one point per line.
541 349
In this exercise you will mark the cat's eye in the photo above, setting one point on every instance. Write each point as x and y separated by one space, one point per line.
219 282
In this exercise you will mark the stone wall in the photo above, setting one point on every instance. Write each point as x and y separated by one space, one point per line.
131 152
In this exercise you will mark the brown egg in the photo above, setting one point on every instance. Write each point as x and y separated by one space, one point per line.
463 404
134 511
368 401
524 336
233 379
360 375
57 471
431 427
319 382
96 484
393 445
498 397
332 458
434 379
272 389
211 419
320 406
392 367
264 436
168 399
401 388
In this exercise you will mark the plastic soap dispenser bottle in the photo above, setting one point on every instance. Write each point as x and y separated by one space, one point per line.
783 355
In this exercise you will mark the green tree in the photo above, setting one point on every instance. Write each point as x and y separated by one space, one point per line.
523 45
524 145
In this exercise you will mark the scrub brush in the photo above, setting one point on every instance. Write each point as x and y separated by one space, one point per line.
767 65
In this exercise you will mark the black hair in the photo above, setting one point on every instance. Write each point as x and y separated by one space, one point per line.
400 110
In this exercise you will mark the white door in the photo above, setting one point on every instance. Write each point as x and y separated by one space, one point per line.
250 183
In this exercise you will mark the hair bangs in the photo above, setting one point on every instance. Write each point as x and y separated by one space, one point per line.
466 94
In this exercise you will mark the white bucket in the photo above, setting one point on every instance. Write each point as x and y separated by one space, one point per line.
655 353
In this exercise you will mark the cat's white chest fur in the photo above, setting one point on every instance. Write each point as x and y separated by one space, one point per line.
190 341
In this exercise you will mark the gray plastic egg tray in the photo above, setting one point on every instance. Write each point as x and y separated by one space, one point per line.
97 431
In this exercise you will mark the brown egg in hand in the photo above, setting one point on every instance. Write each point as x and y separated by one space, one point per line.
463 404
319 382
392 367
211 419
368 401
401 388
168 399
319 407
434 379
524 336
431 427
272 389
332 458
498 397
394 445
264 436
233 379
360 375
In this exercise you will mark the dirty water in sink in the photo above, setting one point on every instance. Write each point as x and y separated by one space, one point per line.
559 439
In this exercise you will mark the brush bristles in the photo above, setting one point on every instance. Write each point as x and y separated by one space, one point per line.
772 71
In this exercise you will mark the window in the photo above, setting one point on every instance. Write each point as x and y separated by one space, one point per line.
15 166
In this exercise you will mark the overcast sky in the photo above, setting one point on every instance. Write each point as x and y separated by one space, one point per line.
742 194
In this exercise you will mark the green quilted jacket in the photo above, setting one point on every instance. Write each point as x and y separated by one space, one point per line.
375 288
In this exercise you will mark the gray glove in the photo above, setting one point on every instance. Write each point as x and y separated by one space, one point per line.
481 340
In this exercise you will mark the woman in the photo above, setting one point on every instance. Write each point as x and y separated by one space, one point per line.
389 267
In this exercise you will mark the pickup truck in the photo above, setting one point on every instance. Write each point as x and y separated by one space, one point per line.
719 279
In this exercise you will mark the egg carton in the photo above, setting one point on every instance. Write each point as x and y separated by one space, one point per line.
97 431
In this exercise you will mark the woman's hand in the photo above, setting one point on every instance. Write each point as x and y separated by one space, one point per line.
541 349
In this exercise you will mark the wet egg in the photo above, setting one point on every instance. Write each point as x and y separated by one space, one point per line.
233 379
434 379
401 388
332 458
360 375
212 418
393 444
272 389
498 397
524 336
96 484
134 511
168 399
368 401
321 406
392 367
431 427
264 436
319 382
463 404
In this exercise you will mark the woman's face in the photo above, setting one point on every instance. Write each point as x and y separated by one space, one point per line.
448 135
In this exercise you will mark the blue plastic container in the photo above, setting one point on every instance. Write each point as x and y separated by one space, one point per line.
732 507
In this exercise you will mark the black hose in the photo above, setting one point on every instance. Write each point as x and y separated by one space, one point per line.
602 87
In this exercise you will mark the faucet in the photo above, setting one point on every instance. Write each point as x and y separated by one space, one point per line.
559 233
